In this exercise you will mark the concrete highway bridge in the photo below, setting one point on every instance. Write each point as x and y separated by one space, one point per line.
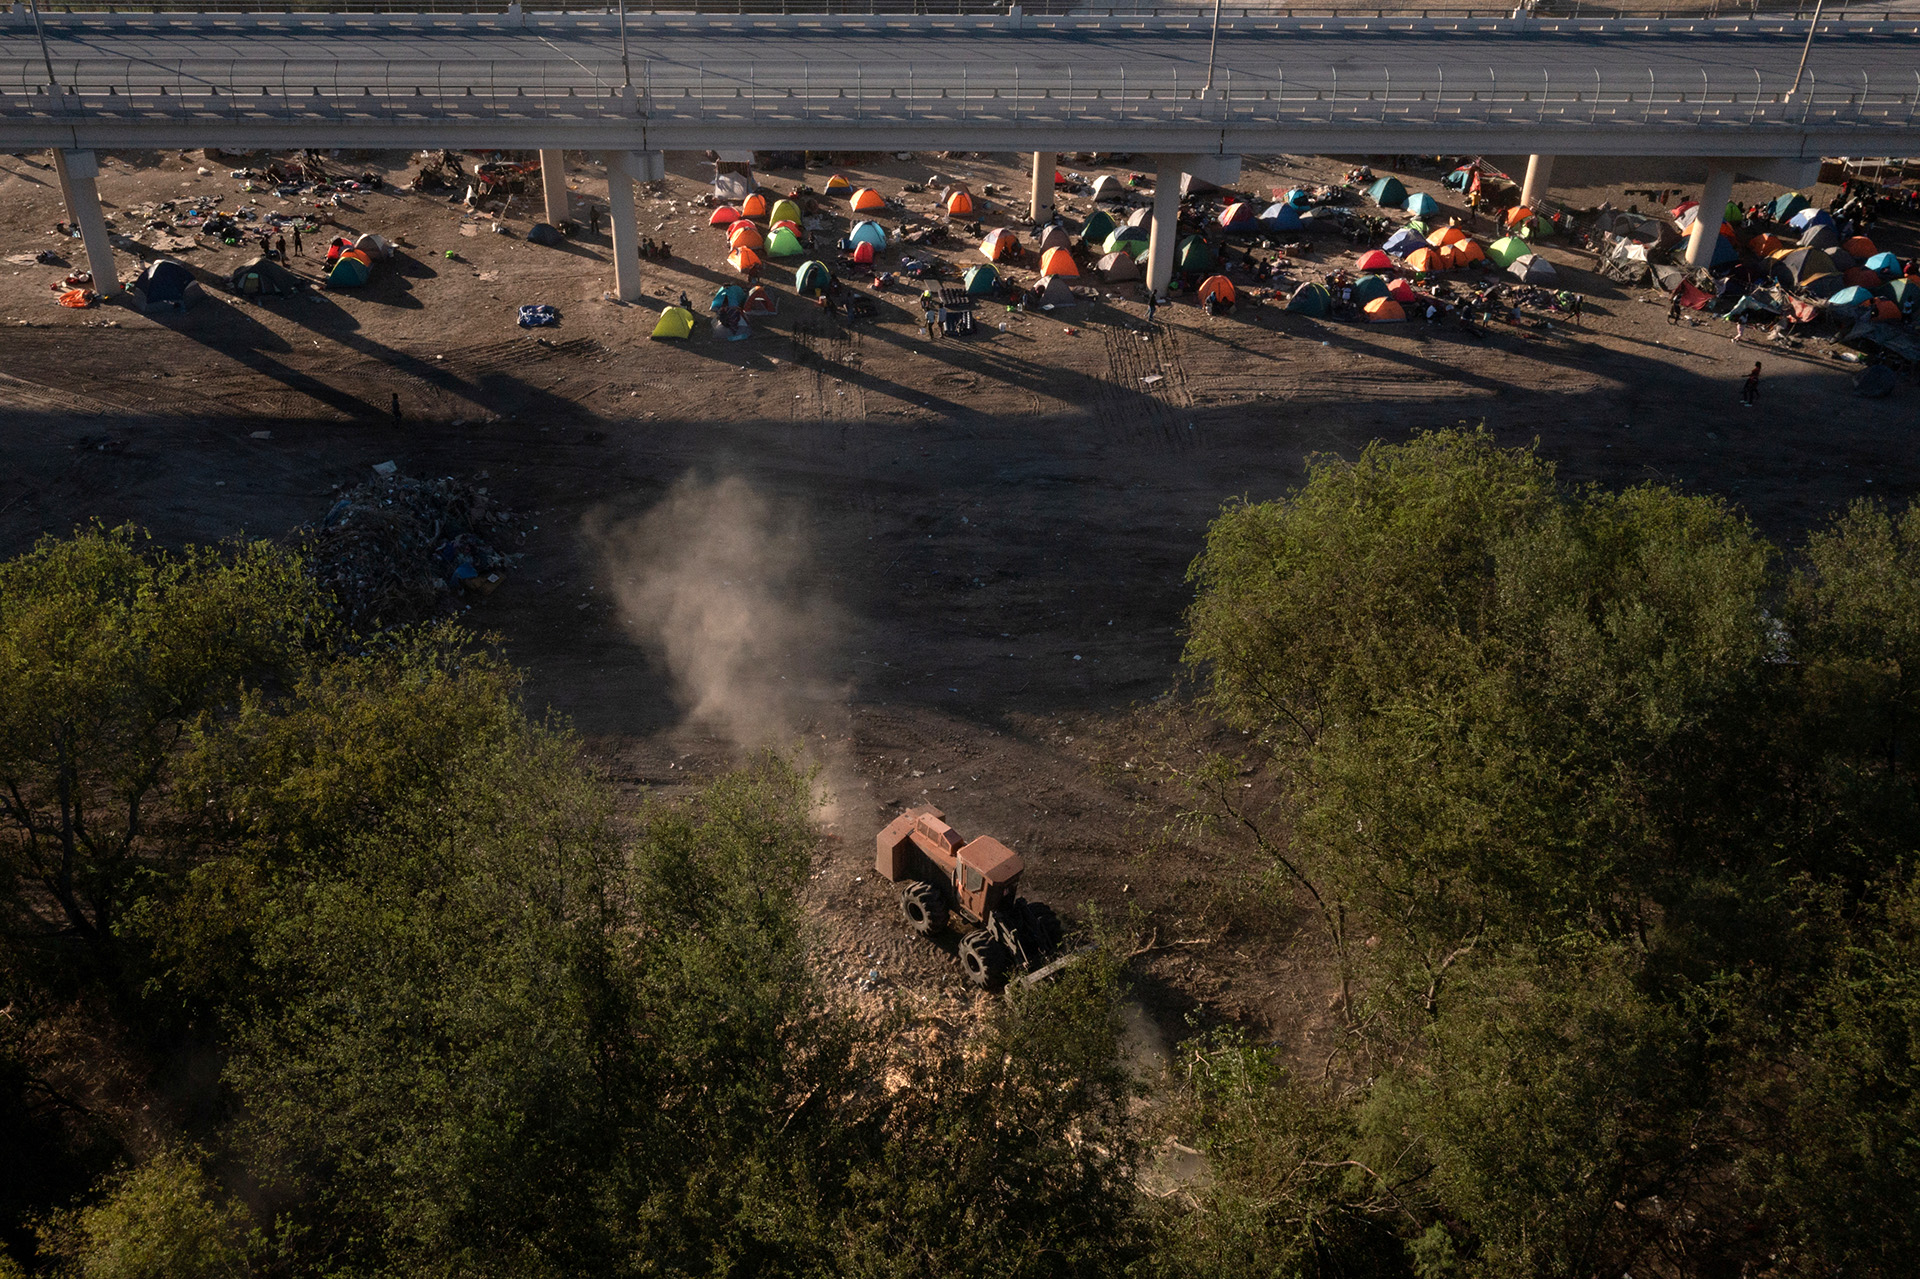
1761 95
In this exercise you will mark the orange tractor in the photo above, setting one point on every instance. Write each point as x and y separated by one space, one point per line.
942 876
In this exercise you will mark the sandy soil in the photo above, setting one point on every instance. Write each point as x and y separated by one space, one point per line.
955 569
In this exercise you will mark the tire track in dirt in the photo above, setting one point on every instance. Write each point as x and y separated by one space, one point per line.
829 401
1143 395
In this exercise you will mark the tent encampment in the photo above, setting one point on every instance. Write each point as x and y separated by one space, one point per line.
1057 262
1388 193
1851 295
745 234
759 301
1785 206
725 215
1310 300
960 204
837 184
1819 237
1810 217
1116 268
980 280
1238 217
1053 290
1797 266
1126 239
1860 246
1886 264
1054 237
1446 235
350 270
861 254
1425 260
674 325
1108 187
754 206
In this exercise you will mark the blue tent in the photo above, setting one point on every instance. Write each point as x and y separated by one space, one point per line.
1299 197
868 233
1884 263
1281 216
1405 241
1310 299
1852 295
1422 205
729 295
1785 206
1724 251
811 275
1810 217
1367 288
1388 193
980 280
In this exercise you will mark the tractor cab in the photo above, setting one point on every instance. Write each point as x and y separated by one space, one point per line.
986 876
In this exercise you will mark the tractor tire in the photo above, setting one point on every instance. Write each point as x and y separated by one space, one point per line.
1043 926
983 959
924 908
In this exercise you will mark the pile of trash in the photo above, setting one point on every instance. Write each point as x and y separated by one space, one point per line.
399 549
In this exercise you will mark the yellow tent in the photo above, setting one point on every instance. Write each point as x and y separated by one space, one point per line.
784 211
676 325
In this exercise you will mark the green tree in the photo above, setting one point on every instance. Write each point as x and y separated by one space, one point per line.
162 1220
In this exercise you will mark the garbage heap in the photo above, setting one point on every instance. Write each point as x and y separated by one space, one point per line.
399 549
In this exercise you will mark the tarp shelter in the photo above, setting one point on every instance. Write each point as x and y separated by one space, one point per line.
759 301
1507 249
783 243
1281 216
1054 237
1785 206
1446 235
264 276
980 280
1885 264
1217 287
960 204
732 187
1797 266
1053 290
784 211
1311 300
1425 260
1126 239
1533 269
745 235
838 183
1422 205
754 206
1810 217
1694 299
1057 262
1373 260
861 254
1369 287
674 325
1388 193
1860 246
727 295
868 233
1819 237
1195 254
810 276
1238 217
1385 311
868 200
745 260
725 215
1403 242
1108 187
543 234
1097 228
351 270
1000 243
1117 268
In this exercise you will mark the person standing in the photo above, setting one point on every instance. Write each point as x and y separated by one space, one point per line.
1752 386
299 249
1673 312
1153 304
280 248
397 414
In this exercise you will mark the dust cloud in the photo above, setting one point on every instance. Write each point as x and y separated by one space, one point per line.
721 583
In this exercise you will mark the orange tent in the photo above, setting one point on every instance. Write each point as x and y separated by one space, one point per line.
1426 260
867 198
1865 277
1000 243
744 260
745 233
1385 311
725 215
1057 262
960 203
1217 287
754 206
1517 215
1883 309
1468 251
838 183
1761 245
1446 235
1860 247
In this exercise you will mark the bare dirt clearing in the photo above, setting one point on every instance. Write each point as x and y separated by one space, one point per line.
999 525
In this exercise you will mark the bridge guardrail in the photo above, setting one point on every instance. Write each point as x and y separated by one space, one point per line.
800 93
1558 10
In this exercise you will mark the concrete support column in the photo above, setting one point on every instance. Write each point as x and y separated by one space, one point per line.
553 185
1539 177
77 170
1708 217
626 233
1043 169
1164 232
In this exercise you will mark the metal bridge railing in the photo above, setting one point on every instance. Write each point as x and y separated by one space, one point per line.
1545 10
838 93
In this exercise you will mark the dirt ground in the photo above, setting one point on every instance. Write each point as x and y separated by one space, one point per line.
955 569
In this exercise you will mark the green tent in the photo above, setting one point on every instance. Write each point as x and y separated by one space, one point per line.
783 211
1126 239
676 325
784 244
1195 254
1533 228
1369 287
1420 225
1388 193
980 280
348 273
1508 249
811 275
1310 299
1905 294
1099 226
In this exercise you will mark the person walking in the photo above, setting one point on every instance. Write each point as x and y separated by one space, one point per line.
1740 329
1153 305
593 219
1752 386
1673 312
397 414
